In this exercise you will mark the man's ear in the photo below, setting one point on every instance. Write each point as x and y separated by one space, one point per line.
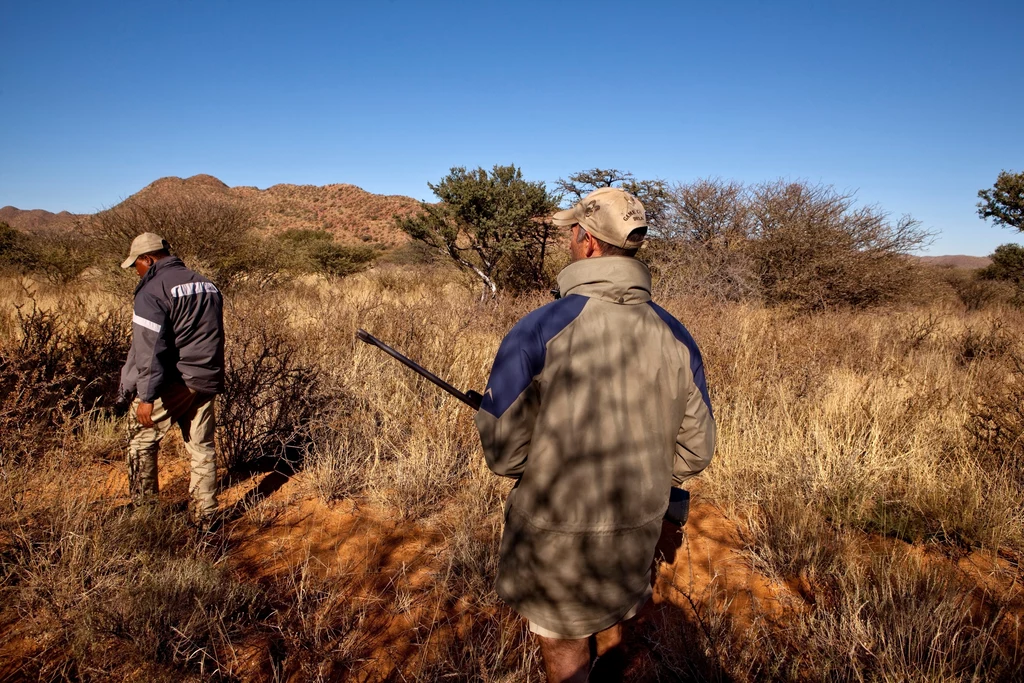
592 248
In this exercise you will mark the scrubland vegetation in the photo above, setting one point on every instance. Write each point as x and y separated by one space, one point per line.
870 463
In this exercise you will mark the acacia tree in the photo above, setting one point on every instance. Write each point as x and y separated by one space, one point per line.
653 194
580 184
1004 201
489 223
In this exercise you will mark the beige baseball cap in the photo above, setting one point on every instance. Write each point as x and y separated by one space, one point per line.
144 244
608 213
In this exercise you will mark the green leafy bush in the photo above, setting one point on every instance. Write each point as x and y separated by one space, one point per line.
14 251
490 224
315 251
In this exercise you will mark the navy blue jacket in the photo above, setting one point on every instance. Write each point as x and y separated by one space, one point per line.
177 332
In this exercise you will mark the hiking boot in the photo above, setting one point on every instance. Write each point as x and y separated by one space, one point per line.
208 524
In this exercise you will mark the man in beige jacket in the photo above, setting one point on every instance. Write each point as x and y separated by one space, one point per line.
598 407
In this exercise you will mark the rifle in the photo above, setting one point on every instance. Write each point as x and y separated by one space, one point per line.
470 398
679 499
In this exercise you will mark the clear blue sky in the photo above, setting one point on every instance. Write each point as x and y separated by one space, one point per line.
913 105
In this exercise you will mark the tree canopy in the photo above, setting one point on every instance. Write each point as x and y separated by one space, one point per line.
1007 264
1004 201
489 223
653 194
791 243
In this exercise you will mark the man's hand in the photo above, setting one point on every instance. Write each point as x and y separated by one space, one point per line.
678 506
144 415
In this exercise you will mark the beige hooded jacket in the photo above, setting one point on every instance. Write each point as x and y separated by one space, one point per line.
597 403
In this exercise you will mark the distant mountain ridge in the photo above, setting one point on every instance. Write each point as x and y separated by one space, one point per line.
37 220
350 213
957 261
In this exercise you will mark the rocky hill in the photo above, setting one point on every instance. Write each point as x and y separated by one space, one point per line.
349 212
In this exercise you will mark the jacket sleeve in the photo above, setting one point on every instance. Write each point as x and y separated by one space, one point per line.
695 442
150 331
511 400
506 439
508 411
129 373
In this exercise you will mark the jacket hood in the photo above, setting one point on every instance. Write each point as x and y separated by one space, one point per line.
618 279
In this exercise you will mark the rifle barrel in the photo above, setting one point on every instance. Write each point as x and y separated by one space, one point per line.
471 400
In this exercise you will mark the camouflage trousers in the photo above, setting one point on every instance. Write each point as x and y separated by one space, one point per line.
193 413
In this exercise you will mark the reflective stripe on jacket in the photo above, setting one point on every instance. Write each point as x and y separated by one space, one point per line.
177 332
597 403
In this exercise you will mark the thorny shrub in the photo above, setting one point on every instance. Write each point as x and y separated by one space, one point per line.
273 391
213 235
56 367
973 292
791 243
719 272
992 340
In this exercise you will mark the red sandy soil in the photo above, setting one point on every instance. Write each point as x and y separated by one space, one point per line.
392 557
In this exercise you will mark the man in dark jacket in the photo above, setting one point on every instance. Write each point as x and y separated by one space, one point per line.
176 365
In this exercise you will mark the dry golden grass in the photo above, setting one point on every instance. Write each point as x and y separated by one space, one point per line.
867 418
868 458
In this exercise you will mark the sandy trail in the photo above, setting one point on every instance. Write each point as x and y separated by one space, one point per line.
392 567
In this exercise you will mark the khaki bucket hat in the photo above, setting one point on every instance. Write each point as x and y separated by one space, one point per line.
145 243
608 213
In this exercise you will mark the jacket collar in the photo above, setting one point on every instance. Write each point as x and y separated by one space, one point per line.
618 279
162 264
